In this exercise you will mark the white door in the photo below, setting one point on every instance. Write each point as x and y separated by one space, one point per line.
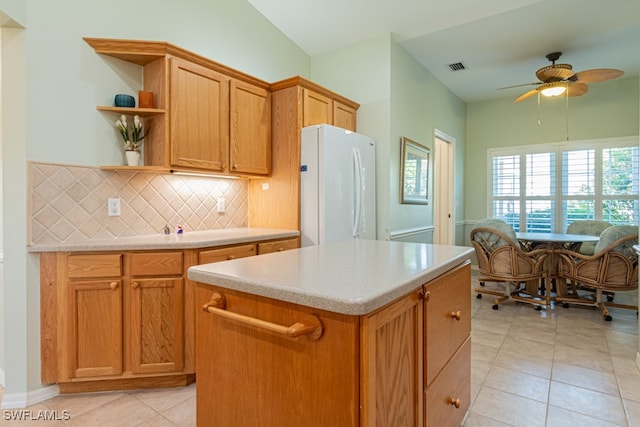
443 189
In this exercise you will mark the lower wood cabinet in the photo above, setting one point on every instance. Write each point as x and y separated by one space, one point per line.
122 320
388 368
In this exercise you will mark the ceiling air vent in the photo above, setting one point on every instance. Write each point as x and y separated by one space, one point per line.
457 66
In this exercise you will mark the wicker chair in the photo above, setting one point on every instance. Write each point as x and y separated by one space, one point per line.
613 267
589 228
502 260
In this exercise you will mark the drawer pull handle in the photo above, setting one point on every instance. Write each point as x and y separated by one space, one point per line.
455 402
456 315
113 285
310 326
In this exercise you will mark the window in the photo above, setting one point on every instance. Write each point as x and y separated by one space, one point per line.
546 187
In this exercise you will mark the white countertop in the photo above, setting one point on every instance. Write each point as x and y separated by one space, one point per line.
189 239
352 277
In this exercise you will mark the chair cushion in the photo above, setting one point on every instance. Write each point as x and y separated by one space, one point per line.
501 226
616 232
590 228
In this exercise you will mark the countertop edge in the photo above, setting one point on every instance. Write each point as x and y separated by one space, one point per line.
356 307
189 240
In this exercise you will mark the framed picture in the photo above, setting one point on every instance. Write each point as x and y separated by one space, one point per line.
414 173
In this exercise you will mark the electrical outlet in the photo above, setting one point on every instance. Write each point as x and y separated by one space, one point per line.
113 206
222 205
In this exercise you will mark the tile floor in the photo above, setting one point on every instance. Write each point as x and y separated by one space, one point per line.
557 367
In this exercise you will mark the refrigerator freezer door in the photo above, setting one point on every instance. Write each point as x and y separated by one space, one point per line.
334 188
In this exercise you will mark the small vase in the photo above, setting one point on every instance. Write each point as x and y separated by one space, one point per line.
133 157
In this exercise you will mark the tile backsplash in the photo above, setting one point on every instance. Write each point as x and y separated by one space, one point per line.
69 203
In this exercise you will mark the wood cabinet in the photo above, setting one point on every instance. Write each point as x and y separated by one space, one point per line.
278 245
447 329
156 307
210 117
124 319
268 362
320 109
296 102
199 117
91 316
250 132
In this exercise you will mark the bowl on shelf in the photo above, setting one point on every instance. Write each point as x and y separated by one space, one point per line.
122 100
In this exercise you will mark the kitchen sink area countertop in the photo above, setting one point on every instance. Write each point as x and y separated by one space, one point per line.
352 277
186 240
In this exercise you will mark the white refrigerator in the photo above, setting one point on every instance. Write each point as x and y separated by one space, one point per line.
337 185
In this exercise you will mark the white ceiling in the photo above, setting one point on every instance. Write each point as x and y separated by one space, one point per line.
500 42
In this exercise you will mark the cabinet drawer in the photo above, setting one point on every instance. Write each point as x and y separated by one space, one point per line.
86 266
278 246
448 398
156 264
225 254
447 318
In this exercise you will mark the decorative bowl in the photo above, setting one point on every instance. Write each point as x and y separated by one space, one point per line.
122 100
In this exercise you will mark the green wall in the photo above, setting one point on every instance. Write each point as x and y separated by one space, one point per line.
608 109
398 98
52 81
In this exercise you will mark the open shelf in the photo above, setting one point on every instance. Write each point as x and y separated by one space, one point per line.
142 112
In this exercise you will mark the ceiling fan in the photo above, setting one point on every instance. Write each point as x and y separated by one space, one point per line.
556 79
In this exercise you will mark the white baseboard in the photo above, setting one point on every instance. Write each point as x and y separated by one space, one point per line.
22 400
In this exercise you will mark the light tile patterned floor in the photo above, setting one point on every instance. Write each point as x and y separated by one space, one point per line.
553 368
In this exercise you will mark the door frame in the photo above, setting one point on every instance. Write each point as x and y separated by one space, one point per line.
443 188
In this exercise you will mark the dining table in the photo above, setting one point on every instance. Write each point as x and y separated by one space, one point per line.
550 242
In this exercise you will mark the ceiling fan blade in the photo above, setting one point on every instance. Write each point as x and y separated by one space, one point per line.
525 95
520 85
577 89
598 75
554 72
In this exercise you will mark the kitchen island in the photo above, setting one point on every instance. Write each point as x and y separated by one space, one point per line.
356 333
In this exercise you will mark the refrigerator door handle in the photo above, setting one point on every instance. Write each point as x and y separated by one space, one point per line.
357 186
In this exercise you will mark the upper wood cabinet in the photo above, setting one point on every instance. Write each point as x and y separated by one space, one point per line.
209 117
319 109
296 103
199 116
250 132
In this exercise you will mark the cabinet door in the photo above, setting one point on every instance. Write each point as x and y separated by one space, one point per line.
250 131
199 117
93 337
157 327
391 366
344 116
252 376
317 109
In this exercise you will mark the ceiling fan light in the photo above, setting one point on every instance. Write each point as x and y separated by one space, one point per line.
555 90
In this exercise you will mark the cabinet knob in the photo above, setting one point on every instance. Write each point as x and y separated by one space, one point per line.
113 285
280 249
455 402
135 285
456 315
231 257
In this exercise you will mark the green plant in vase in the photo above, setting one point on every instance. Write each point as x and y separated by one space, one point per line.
132 139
